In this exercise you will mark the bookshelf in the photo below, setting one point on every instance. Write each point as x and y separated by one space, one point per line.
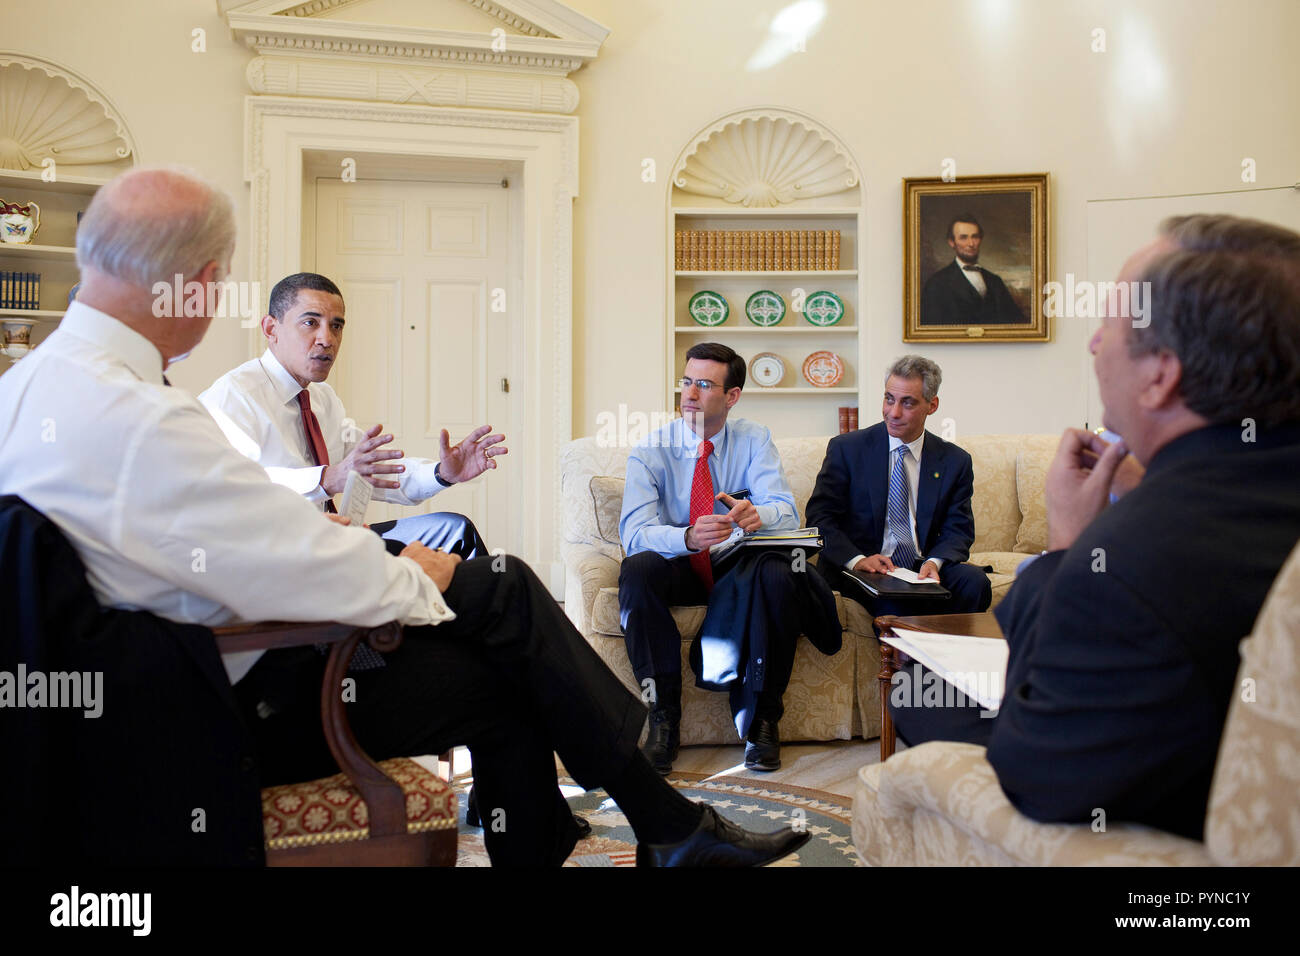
825 196
53 254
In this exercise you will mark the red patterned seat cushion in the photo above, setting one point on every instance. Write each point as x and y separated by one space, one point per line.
332 811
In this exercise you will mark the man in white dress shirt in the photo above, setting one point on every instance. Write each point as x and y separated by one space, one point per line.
167 517
279 411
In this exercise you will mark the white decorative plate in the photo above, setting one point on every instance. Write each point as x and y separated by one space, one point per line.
767 369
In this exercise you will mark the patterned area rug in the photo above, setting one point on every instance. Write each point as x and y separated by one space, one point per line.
753 804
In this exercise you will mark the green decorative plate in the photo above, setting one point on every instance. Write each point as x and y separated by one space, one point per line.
708 308
823 308
765 308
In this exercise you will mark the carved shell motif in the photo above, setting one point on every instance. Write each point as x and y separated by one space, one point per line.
766 161
46 114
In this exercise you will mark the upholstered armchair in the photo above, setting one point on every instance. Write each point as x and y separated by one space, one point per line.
940 803
158 768
392 813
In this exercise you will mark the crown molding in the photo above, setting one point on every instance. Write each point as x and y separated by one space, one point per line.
382 82
555 39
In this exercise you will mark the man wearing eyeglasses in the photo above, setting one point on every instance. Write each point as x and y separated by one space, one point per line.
676 504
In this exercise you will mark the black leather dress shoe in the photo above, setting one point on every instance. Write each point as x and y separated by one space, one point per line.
763 749
661 746
719 842
472 817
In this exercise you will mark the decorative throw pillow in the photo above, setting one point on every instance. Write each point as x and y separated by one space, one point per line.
1032 462
607 501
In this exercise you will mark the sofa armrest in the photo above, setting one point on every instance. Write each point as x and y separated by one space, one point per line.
588 570
941 804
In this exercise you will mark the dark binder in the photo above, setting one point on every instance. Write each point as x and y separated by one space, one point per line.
882 585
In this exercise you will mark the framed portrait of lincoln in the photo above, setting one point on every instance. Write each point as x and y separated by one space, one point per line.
975 259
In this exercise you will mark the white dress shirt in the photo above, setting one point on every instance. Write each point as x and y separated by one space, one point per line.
912 466
164 514
974 277
256 405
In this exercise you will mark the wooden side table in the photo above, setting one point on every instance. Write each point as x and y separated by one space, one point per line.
891 658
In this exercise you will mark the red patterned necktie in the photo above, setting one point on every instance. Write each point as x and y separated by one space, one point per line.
702 504
314 437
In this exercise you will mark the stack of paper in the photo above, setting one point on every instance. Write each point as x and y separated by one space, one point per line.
809 538
976 666
908 575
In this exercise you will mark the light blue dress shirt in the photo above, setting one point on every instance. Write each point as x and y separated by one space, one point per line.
657 497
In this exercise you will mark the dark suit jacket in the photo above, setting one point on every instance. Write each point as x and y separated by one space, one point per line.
1119 679
122 788
849 501
733 640
948 298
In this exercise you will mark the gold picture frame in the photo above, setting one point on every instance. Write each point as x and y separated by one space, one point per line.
975 259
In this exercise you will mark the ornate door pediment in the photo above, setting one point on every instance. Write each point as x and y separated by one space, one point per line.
511 54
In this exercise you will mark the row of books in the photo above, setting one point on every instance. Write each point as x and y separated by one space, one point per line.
848 419
756 250
20 290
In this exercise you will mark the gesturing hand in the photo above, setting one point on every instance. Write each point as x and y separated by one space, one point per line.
366 460
1078 484
469 457
438 565
742 512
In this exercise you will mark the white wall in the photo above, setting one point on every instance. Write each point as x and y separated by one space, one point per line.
182 107
1186 89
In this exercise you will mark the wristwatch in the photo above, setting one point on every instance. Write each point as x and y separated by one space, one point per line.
437 476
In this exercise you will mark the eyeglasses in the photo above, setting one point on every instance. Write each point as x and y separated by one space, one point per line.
703 384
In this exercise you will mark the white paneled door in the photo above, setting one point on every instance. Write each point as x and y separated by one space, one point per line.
424 269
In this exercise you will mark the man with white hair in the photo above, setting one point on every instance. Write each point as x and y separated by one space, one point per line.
167 517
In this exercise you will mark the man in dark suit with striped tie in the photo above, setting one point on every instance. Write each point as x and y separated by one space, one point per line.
896 495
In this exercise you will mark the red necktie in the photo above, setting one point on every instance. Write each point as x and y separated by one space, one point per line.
314 437
702 504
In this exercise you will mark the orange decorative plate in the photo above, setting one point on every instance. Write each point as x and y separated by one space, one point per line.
823 369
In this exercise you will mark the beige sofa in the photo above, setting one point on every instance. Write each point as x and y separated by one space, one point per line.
940 803
829 698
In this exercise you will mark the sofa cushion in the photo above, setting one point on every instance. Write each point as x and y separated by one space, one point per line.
1032 461
939 804
1002 562
605 616
801 460
993 458
607 501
